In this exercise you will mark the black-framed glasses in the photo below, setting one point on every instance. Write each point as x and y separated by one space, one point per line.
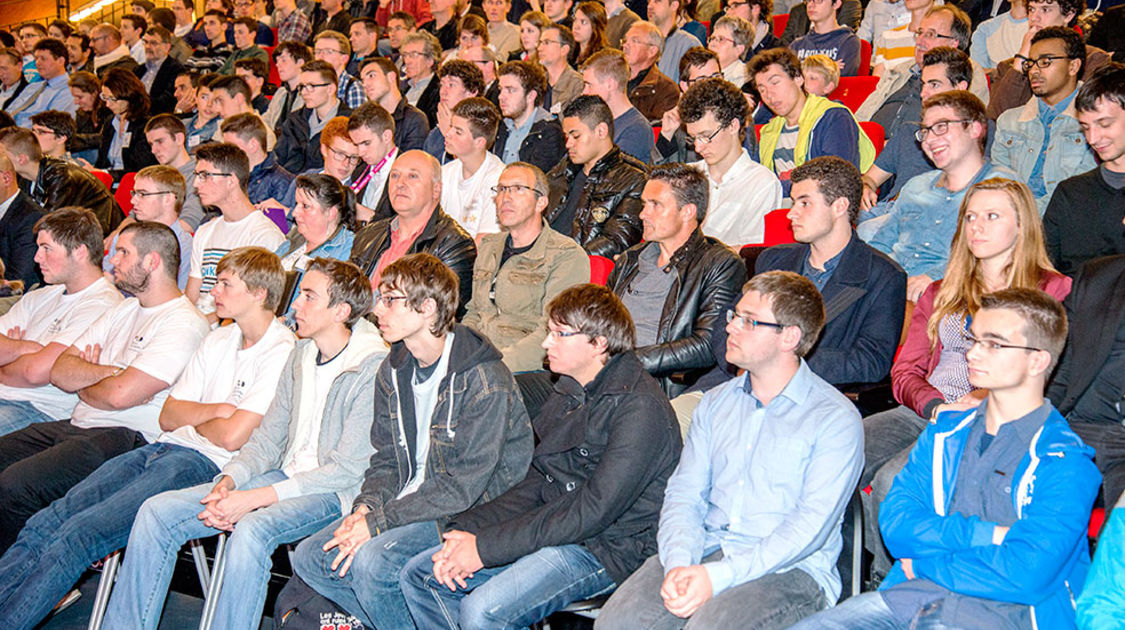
562 334
304 87
713 75
931 34
515 189
209 175
939 128
745 322
1044 61
386 300
133 194
994 346
343 157
707 137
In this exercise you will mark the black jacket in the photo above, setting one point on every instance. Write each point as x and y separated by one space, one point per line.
295 151
708 279
411 126
135 155
543 146
20 87
17 240
442 237
607 220
62 184
162 95
597 478
89 133
428 101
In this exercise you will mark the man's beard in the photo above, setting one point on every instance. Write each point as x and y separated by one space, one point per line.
133 282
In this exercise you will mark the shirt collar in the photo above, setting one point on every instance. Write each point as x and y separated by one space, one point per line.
1059 107
7 203
796 390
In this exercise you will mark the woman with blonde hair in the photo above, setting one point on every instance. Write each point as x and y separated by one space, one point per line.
532 24
589 29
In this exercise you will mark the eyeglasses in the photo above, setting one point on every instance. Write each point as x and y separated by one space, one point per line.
745 322
707 137
387 300
931 34
305 87
713 75
133 194
413 53
326 51
515 189
340 155
204 176
994 346
550 41
939 128
562 334
720 38
42 130
110 99
1043 62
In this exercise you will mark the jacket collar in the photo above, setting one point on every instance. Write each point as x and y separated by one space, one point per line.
608 161
1030 110
469 349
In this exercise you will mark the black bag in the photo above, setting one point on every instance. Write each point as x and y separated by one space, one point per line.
299 607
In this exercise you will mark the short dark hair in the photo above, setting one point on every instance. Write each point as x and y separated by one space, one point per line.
373 116
405 17
257 268
21 142
591 110
1044 319
83 40
474 24
595 311
150 237
233 85
62 25
61 123
227 158
330 193
386 66
53 46
164 34
835 178
257 67
421 277
967 105
483 117
370 25
138 21
168 122
696 57
73 226
794 301
250 23
719 97
783 57
962 27
347 284
566 37
192 76
323 68
689 185
298 51
958 66
530 75
1108 83
472 79
1076 7
1072 41
162 16
247 126
766 9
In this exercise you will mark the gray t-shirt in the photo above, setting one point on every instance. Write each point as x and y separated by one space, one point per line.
1114 179
646 294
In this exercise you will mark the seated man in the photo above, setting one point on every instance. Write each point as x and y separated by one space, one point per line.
119 368
849 14
244 29
298 141
267 179
435 455
288 58
1083 219
255 72
380 83
919 227
564 83
109 52
294 474
674 40
372 131
44 322
420 55
713 113
18 249
167 135
596 192
677 283
230 96
988 518
754 542
56 183
158 196
804 125
531 551
418 225
467 181
159 71
335 48
459 80
1042 141
520 270
606 75
650 90
53 129
212 55
210 411
527 133
828 37
52 92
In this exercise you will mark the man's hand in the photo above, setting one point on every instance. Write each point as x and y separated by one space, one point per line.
870 197
998 534
210 513
15 334
685 589
669 123
916 286
908 568
444 116
91 354
458 559
238 503
348 538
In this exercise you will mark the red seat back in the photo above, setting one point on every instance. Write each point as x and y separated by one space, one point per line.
124 193
274 78
852 91
779 229
600 268
104 178
864 58
875 132
779 22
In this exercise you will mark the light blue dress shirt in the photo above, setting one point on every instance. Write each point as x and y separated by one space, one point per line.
54 95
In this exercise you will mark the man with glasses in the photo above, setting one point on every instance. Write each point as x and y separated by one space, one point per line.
380 83
674 41
221 174
606 75
159 71
730 39
53 90
1042 140
753 543
52 129
988 519
564 83
298 143
527 133
335 48
109 52
158 195
650 91
420 52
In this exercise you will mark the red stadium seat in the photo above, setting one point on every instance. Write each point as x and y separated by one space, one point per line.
600 268
875 132
274 78
124 193
852 91
779 229
104 178
779 22
864 58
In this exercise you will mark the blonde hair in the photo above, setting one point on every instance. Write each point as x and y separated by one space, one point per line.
824 65
961 290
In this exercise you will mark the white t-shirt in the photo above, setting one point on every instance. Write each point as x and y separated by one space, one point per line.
739 204
49 315
218 237
158 340
470 201
425 401
221 371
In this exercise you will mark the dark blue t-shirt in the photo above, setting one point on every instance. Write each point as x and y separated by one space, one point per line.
633 133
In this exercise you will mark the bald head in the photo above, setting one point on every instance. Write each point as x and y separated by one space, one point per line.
9 180
104 38
414 184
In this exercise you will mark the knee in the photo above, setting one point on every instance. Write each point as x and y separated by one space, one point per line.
13 489
309 560
474 614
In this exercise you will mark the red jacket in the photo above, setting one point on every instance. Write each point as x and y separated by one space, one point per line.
916 361
420 9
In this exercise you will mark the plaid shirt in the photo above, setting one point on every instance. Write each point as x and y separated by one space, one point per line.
296 27
350 91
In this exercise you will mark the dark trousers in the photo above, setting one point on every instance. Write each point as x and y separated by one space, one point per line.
1108 442
40 463
535 387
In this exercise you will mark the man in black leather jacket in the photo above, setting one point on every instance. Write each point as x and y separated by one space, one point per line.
678 282
414 187
595 194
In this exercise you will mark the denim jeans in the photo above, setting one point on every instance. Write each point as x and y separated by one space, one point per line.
512 596
86 524
165 522
17 414
866 611
371 589
885 435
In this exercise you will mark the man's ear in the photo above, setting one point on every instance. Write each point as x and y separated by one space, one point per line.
601 130
790 337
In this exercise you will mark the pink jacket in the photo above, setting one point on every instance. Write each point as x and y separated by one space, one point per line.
916 361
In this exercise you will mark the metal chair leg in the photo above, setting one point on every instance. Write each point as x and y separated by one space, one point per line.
105 587
216 584
857 544
201 568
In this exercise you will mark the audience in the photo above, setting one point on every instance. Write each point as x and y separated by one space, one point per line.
362 36
527 132
821 75
372 130
606 75
244 46
589 30
730 40
555 51
381 81
288 58
650 90
124 148
459 80
54 130
674 40
166 135
467 181
133 28
827 37
531 25
159 71
268 179
504 36
298 142
336 49
893 46
254 72
211 56
158 196
91 114
293 24
619 19
230 96
52 92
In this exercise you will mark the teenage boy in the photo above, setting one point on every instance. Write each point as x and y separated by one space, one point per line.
166 134
295 473
467 181
244 46
44 322
158 196
827 37
608 434
222 171
211 56
459 80
450 432
230 96
132 30
606 75
288 58
210 411
268 179
334 48
372 130
119 370
298 141
254 72
528 132
988 519
754 542
380 82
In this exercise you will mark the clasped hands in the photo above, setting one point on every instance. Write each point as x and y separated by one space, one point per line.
224 506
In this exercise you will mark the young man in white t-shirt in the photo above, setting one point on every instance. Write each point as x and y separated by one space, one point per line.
210 412
120 368
221 173
467 182
295 473
44 322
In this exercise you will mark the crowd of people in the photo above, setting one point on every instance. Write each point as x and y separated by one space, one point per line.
474 305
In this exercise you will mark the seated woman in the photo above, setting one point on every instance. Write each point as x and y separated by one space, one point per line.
124 148
531 25
589 29
90 117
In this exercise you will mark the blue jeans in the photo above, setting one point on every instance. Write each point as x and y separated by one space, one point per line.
17 414
866 611
86 524
512 596
166 521
371 589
